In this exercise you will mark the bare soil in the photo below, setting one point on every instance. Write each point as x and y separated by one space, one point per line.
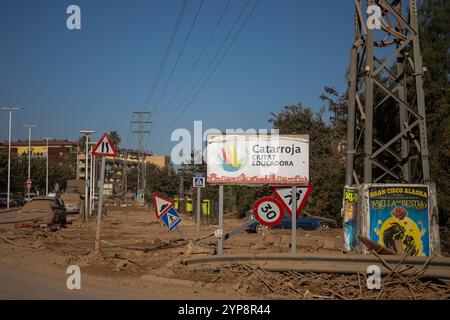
138 252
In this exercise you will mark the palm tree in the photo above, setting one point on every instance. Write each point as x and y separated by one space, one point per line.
115 138
81 144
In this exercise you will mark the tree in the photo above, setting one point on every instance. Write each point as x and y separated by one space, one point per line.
161 180
115 138
326 141
19 173
435 41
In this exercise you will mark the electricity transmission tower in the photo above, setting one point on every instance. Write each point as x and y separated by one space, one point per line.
386 68
141 132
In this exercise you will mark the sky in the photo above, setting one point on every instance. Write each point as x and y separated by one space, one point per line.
94 78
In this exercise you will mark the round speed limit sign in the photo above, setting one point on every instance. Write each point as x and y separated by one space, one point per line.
268 212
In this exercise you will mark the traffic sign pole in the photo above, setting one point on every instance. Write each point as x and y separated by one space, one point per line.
198 182
294 221
100 205
198 211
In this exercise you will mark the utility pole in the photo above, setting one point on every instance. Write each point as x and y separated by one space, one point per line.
86 171
91 180
182 199
29 126
126 178
46 169
141 122
94 180
10 110
371 158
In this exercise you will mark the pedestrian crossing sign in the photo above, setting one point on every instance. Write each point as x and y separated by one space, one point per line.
171 219
199 180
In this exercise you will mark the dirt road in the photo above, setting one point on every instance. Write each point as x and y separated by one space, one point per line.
33 263
139 260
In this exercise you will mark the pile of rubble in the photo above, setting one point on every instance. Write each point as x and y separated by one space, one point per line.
253 279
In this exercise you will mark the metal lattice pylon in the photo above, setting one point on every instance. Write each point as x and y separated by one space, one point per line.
141 183
391 65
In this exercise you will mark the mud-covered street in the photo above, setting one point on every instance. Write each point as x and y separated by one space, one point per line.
140 259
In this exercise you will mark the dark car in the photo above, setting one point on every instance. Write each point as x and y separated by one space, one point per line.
304 221
14 200
18 201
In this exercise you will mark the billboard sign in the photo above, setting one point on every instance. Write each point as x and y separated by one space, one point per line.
251 159
399 218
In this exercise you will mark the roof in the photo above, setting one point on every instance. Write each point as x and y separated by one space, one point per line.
53 143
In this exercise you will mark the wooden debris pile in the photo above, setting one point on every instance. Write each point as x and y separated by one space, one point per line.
29 238
253 279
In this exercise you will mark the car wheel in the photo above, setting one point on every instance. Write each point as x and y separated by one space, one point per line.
324 226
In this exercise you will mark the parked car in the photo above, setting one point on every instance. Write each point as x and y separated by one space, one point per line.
3 202
304 221
19 201
14 200
42 211
72 201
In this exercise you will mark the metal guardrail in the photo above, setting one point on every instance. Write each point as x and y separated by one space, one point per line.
438 267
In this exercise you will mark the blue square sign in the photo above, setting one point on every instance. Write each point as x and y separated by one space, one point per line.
199 180
171 219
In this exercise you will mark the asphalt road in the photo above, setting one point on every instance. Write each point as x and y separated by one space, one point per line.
17 283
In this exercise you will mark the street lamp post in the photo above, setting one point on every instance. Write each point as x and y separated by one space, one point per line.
92 179
86 178
46 169
29 126
9 154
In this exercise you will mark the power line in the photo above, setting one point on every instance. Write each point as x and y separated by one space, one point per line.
213 70
161 68
211 35
191 71
230 32
129 134
194 21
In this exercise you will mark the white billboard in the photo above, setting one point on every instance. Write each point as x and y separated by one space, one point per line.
258 159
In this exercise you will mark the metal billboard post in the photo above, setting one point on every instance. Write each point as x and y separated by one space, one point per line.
294 221
220 243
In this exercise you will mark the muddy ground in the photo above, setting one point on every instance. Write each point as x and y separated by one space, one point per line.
136 253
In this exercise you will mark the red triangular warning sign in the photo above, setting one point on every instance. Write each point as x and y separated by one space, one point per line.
284 194
104 148
161 205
